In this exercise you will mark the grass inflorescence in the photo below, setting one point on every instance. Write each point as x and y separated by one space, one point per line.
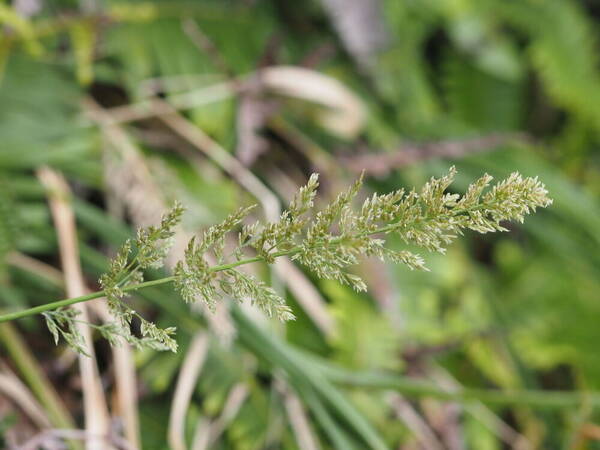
328 242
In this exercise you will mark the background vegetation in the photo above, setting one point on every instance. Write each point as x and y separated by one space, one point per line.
222 104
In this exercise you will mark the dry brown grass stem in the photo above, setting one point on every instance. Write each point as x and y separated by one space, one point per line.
184 388
482 413
382 163
299 421
12 388
207 433
415 423
97 421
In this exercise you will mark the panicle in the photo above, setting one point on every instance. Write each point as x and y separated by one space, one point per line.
328 242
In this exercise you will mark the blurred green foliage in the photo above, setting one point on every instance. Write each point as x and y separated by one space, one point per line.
515 311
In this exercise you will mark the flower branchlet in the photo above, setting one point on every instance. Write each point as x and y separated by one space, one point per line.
328 242
149 249
62 322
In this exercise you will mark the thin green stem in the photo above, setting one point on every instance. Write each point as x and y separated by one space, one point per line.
128 276
71 301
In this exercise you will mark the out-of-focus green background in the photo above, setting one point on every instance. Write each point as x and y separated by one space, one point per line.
225 103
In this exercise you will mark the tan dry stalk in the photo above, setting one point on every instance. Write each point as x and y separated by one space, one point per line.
97 421
184 388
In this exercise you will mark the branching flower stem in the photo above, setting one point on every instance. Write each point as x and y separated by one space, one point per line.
327 242
219 268
134 287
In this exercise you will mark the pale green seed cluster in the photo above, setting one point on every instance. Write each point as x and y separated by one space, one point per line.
242 286
328 242
63 322
193 278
